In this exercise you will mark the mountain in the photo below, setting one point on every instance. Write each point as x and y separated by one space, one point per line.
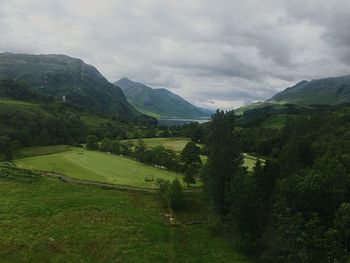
329 91
11 89
158 102
82 85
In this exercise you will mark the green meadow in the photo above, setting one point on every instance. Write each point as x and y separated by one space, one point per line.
177 144
96 166
45 220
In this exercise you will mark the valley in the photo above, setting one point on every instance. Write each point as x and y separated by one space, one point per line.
92 175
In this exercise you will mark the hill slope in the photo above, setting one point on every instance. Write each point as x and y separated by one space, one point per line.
330 91
159 102
59 75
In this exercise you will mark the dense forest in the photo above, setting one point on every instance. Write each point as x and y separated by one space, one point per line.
295 206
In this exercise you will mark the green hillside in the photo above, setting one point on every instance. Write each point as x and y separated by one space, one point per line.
158 102
96 166
44 220
329 91
58 75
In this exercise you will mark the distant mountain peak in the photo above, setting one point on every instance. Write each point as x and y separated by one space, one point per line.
158 101
59 75
329 91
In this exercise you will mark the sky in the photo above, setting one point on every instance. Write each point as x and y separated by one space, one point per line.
215 53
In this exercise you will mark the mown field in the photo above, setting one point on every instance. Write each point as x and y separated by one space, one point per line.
177 144
44 220
92 165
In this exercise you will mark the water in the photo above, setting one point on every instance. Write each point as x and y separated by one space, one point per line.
181 121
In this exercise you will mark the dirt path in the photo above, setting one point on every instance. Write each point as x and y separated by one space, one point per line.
109 186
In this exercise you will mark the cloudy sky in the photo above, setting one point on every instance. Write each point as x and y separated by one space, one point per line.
215 53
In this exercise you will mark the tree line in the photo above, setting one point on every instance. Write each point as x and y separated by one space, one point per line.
187 162
295 207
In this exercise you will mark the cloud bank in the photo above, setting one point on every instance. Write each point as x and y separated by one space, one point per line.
217 54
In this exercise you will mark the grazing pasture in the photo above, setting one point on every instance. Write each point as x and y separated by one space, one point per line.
176 144
97 166
45 220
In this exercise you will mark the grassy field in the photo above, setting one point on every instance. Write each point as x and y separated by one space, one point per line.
44 220
19 104
176 144
96 166
42 150
250 161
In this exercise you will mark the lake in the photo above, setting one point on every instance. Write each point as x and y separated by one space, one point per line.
181 121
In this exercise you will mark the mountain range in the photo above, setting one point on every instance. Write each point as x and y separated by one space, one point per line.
160 103
325 91
71 79
329 91
82 86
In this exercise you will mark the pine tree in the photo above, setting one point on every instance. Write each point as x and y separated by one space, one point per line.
224 160
190 156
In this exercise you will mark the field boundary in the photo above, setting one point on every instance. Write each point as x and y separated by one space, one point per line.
108 186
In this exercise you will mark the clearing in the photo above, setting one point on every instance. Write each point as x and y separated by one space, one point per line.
177 144
95 166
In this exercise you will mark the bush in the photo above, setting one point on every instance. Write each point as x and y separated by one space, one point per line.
171 194
92 142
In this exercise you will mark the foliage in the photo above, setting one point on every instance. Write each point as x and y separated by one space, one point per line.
140 150
190 157
171 194
9 171
224 160
92 142
294 208
8 156
105 145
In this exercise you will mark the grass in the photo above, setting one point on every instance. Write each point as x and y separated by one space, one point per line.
176 144
44 220
276 121
43 150
20 104
250 161
96 166
102 167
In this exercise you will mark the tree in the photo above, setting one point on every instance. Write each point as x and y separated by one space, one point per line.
92 142
126 148
140 150
190 156
175 195
171 193
342 225
105 145
8 155
224 160
115 147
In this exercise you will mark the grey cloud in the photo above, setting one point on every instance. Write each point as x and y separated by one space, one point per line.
214 53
